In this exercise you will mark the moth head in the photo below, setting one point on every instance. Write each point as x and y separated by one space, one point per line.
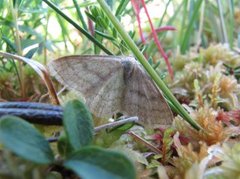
128 67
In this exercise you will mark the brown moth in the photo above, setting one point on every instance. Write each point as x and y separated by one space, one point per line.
113 84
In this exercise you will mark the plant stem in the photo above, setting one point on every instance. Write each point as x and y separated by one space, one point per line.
45 39
146 65
19 49
189 31
221 14
231 23
80 14
200 25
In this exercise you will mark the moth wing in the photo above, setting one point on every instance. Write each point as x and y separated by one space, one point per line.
143 98
98 79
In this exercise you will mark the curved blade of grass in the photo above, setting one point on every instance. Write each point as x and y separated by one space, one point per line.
40 70
83 31
146 65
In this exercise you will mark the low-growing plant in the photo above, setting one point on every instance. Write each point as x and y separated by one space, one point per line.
76 155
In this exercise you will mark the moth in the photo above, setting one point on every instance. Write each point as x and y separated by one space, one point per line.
112 84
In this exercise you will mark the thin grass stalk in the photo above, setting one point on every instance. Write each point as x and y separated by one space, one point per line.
223 26
189 31
231 23
121 7
164 14
64 32
79 14
19 49
146 65
45 39
83 31
185 13
199 35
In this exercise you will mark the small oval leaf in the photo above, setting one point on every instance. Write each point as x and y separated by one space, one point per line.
78 124
23 139
93 162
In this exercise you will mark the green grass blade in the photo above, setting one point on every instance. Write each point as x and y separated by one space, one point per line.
222 21
121 7
80 14
188 33
231 23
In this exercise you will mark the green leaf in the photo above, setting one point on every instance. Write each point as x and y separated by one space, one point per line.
24 140
10 44
31 52
63 145
93 162
78 124
122 6
102 34
1 4
29 42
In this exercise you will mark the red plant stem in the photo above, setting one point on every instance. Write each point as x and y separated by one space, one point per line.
137 12
140 29
165 28
162 29
90 25
159 46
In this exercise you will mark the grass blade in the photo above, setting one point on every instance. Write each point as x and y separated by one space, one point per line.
188 33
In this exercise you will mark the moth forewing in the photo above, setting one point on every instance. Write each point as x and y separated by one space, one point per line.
113 84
